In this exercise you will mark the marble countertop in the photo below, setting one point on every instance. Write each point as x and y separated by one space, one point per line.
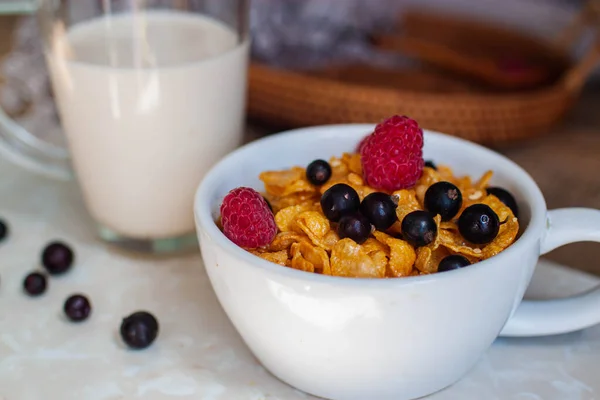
198 354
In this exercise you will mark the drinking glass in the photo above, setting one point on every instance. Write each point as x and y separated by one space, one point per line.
149 94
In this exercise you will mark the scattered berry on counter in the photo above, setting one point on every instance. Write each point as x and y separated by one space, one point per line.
77 308
479 224
3 230
57 258
419 227
35 284
354 226
443 198
504 196
380 210
318 172
339 200
454 261
247 219
392 158
139 329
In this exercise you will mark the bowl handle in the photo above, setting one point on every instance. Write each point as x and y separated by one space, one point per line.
550 317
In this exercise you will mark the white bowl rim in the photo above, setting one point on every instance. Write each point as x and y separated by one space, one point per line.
204 218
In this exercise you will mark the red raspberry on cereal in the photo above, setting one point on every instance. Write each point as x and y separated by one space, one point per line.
392 158
247 219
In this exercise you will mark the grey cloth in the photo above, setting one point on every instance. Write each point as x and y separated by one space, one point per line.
312 32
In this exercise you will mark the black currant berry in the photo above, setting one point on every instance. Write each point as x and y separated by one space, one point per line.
419 227
380 210
139 329
318 172
355 227
35 284
57 258
339 200
479 224
455 261
443 198
77 307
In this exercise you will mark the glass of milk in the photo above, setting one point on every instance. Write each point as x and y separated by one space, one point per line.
150 94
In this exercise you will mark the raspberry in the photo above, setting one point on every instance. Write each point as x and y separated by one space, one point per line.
392 158
247 219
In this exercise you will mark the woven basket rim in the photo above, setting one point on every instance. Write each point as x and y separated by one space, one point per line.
558 87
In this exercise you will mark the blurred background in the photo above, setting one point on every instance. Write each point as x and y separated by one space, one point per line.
516 75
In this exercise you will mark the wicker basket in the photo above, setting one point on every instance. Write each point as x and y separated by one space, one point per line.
292 99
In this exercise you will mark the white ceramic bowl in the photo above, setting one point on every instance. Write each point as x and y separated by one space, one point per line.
348 338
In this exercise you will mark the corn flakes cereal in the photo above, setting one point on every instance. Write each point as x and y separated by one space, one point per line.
280 202
463 183
313 224
380 259
287 182
429 177
281 179
445 173
339 174
351 179
483 182
506 236
350 174
509 227
308 241
363 191
407 203
329 240
402 255
379 253
284 240
316 256
471 196
349 259
436 241
277 257
428 260
420 192
373 245
286 217
299 262
503 211
355 180
301 186
353 163
338 167
453 241
449 225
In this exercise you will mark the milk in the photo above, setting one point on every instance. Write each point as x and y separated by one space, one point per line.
146 118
